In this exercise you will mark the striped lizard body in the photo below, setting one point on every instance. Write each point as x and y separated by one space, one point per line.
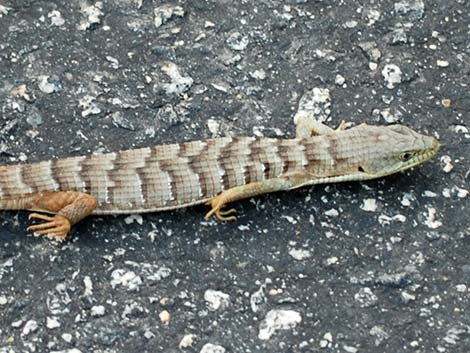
215 171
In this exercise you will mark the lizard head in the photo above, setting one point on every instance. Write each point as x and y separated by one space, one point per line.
398 148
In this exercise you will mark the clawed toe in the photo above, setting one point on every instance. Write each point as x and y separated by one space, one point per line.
56 227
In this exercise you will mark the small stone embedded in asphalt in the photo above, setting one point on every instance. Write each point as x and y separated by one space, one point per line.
392 75
179 83
187 341
212 348
45 86
91 15
29 327
369 205
300 254
278 319
237 41
413 10
166 12
365 297
258 299
379 333
216 300
97 310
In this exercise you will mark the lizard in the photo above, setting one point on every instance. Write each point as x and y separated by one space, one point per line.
218 171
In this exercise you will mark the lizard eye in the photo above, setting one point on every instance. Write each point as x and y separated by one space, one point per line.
406 156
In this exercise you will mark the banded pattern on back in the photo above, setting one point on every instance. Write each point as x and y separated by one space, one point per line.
166 176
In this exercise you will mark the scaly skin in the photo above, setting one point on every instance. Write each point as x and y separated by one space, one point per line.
217 172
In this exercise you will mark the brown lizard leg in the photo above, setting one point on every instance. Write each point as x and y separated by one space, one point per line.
242 192
68 207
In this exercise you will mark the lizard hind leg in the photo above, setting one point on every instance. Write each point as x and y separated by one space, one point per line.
68 207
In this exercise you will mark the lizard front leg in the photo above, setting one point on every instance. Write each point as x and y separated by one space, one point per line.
307 126
243 192
68 207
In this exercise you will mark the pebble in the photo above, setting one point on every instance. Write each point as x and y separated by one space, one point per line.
326 340
213 126
187 341
446 103
412 9
164 13
212 348
442 63
29 327
216 300
97 310
179 83
237 41
4 10
92 14
300 254
52 323
164 317
339 80
67 337
278 319
366 297
392 75
430 219
56 18
369 205
446 163
258 74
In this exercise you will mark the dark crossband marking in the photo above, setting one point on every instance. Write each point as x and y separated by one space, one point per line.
95 175
127 184
266 162
11 181
234 160
208 166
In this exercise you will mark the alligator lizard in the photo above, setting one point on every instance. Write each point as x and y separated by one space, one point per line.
216 172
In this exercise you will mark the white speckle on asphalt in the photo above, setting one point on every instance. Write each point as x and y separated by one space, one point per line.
392 75
446 163
92 14
29 327
327 340
97 310
213 126
67 337
88 286
369 205
278 319
332 213
134 218
339 80
165 12
125 278
430 219
216 300
237 41
187 341
258 74
56 18
212 348
52 323
442 63
179 83
45 86
300 254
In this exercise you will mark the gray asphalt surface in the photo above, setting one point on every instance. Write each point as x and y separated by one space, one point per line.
381 266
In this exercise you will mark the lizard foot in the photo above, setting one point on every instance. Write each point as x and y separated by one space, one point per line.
56 227
219 213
